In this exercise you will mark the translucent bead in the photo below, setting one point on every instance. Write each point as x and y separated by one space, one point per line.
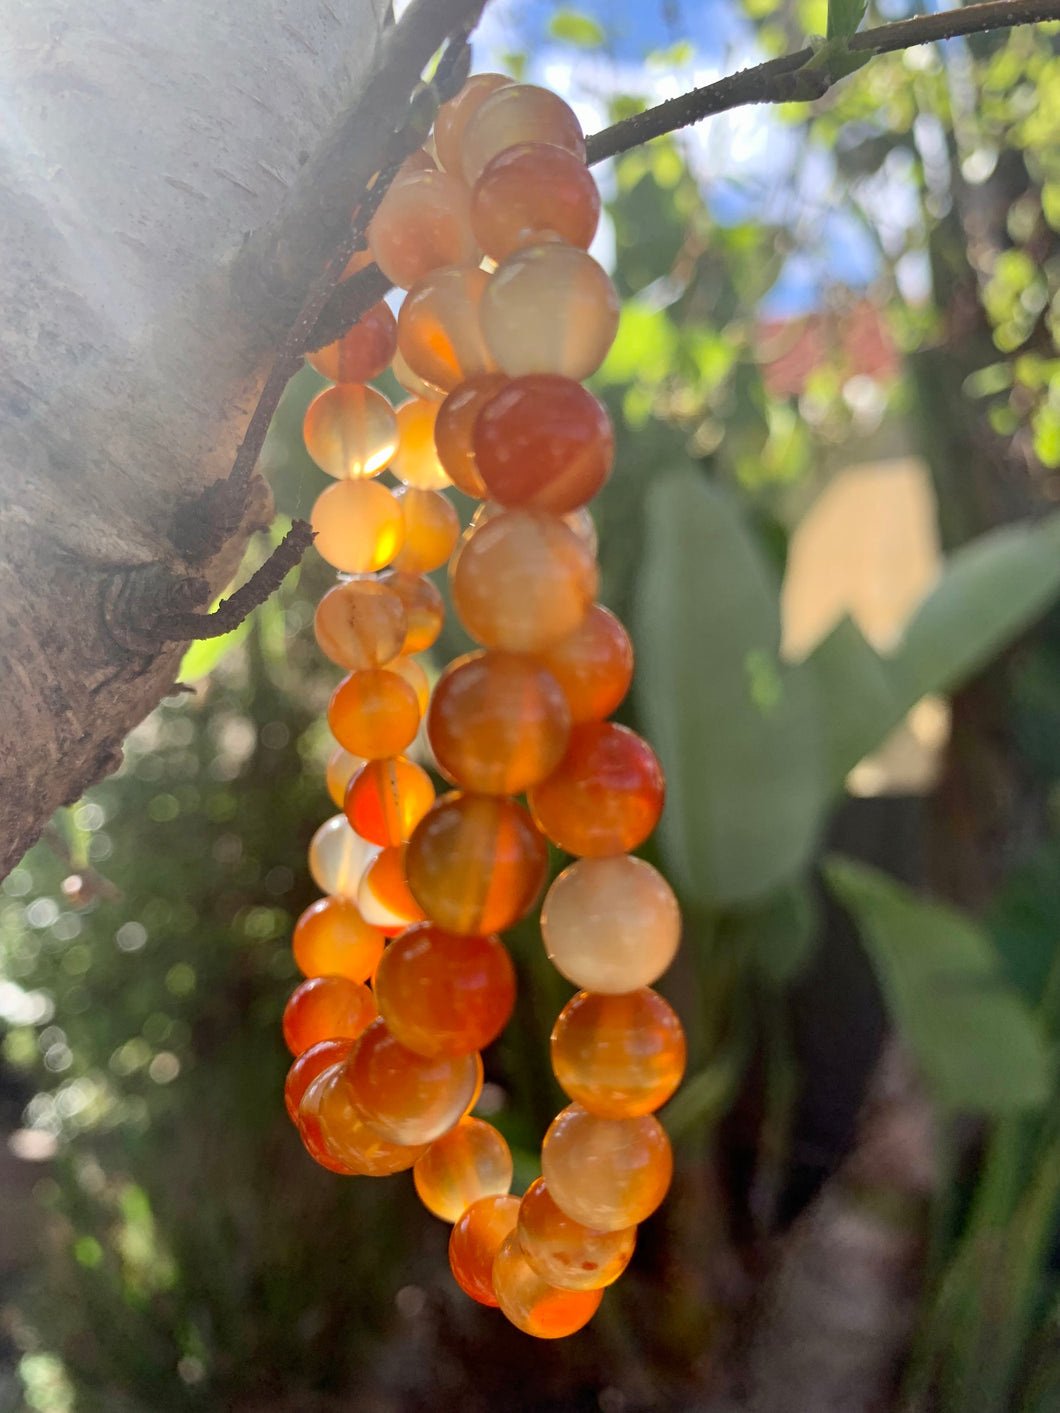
338 858
469 1162
310 1063
363 351
549 309
360 624
384 897
611 924
606 1173
348 1139
479 1082
454 427
475 863
453 117
531 193
618 1056
359 526
308 1121
432 528
332 939
350 431
423 223
579 522
545 442
605 796
403 1097
419 161
474 1242
534 1306
342 767
414 675
522 582
374 713
564 1252
497 723
515 114
326 1008
438 327
423 605
416 462
412 382
387 798
441 994
593 665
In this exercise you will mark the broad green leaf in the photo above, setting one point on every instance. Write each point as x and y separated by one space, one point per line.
576 28
779 935
844 16
976 1042
860 702
202 657
737 731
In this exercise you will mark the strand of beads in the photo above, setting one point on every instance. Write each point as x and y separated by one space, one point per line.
494 354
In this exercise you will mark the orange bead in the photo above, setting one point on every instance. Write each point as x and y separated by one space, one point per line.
564 1252
618 1056
423 223
442 994
432 528
438 326
469 1162
350 431
414 675
593 665
338 858
332 939
579 522
363 351
359 526
497 723
326 1008
455 425
545 442
360 624
480 1080
534 1306
531 193
416 462
453 117
605 796
307 1066
474 1242
475 863
412 382
606 1173
387 798
407 1098
342 767
424 606
374 713
384 896
549 309
308 1121
347 1139
515 114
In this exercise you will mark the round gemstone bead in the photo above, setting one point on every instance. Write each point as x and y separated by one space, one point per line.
512 115
564 1252
387 798
469 1162
404 1097
363 351
606 1173
442 994
439 335
374 713
308 1121
342 767
618 1056
497 723
416 461
326 1008
475 863
605 796
412 382
432 528
453 117
350 431
531 193
332 939
338 858
474 1242
611 924
359 526
593 665
384 898
454 428
310 1063
423 223
531 1303
360 624
415 676
348 1139
423 605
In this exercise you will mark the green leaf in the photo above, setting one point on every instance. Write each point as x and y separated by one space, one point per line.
779 935
976 1042
202 657
860 701
738 732
576 28
844 16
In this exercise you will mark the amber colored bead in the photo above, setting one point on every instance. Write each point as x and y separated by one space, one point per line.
358 261
475 1241
432 528
606 1173
438 326
332 939
308 1121
442 994
350 431
359 526
455 425
579 522
424 606
423 223
497 723
338 858
593 665
387 798
416 461
384 896
374 713
480 1080
606 794
415 676
618 1056
513 115
531 1303
544 442
453 117
363 351
531 193
522 581
469 1162
326 1008
342 767
549 309
413 383
404 1097
475 863
419 161
360 624
564 1252
346 1138
307 1066
611 924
